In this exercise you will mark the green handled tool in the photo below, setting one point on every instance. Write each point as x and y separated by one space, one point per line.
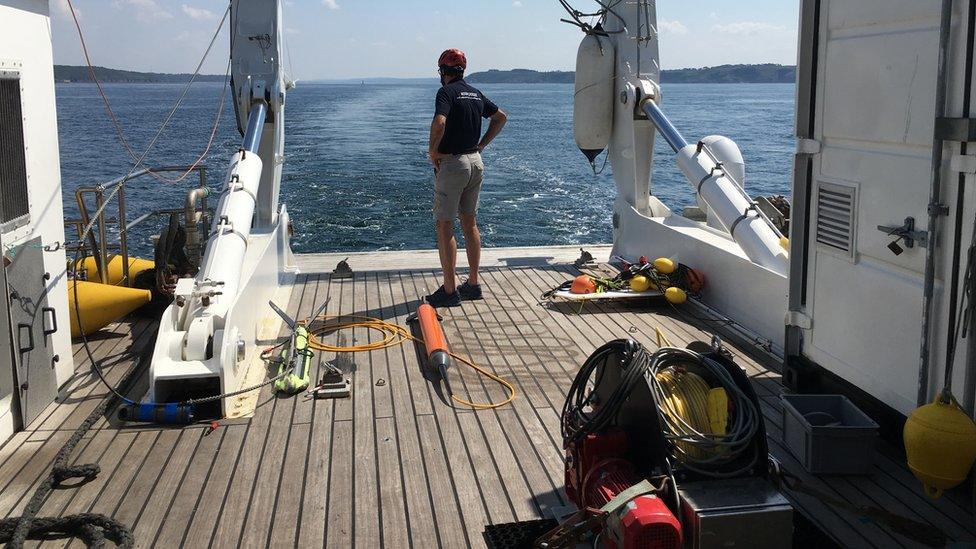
296 357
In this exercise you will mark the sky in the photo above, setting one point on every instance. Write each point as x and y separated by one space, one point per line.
402 38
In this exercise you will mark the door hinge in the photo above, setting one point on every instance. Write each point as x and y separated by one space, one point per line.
807 146
963 163
799 319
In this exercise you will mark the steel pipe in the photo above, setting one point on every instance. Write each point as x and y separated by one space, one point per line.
664 126
935 208
255 126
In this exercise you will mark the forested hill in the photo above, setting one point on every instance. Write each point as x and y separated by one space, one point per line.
724 74
69 73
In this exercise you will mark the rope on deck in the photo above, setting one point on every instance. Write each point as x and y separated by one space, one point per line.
94 529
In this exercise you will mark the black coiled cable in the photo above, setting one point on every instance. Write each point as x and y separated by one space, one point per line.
584 414
577 422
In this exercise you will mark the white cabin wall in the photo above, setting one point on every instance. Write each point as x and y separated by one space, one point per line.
874 121
875 106
27 40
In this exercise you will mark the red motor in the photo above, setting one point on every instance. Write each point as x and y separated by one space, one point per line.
645 522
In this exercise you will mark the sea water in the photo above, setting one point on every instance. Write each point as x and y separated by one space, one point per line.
356 178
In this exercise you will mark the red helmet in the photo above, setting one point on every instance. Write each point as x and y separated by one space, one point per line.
453 58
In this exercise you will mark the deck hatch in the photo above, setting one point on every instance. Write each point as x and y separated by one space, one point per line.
13 158
836 216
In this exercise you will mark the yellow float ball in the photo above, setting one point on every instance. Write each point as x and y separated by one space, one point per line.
664 265
677 296
640 283
940 443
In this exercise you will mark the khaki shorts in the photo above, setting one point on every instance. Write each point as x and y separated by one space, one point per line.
457 185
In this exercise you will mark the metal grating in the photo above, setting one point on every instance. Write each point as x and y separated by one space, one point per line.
836 211
13 164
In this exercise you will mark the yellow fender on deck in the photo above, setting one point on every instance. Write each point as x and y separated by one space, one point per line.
136 266
101 304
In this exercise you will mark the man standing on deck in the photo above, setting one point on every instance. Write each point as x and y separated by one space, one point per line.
455 152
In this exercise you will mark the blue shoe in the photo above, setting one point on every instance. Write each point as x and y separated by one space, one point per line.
441 298
470 291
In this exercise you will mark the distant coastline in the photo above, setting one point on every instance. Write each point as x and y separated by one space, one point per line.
724 74
79 74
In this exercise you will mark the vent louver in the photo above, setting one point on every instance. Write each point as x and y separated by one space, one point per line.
13 165
836 209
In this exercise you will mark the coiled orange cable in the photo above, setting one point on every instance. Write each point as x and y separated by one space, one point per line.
393 335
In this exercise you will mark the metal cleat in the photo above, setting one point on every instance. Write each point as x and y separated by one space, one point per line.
342 270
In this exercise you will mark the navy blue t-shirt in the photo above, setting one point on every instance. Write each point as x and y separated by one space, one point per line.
464 106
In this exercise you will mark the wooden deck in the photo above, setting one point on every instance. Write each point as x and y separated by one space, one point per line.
394 466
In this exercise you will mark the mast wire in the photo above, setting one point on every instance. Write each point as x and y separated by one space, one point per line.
118 126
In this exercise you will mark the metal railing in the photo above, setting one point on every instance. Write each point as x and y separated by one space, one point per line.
98 246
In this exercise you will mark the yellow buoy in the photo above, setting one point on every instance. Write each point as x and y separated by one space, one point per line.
940 440
664 265
640 283
136 266
675 295
101 304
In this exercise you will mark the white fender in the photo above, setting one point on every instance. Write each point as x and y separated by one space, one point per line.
728 153
593 99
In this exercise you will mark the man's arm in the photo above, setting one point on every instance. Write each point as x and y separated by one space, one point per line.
494 128
437 127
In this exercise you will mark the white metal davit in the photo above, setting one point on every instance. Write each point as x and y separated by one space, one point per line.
209 333
724 195
617 87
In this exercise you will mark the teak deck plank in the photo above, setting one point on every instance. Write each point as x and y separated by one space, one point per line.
367 513
406 383
395 465
200 529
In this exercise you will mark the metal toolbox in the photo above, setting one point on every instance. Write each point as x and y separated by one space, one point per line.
747 513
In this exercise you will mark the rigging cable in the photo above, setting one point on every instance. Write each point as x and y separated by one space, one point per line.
960 326
118 126
576 17
139 162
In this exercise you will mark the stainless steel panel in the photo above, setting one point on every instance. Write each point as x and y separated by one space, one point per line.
32 323
747 513
7 397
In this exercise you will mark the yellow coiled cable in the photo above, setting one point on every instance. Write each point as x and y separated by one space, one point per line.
393 335
686 405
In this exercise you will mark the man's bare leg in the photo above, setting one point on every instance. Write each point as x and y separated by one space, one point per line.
447 247
472 246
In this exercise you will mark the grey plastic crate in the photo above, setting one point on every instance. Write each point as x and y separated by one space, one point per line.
828 434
